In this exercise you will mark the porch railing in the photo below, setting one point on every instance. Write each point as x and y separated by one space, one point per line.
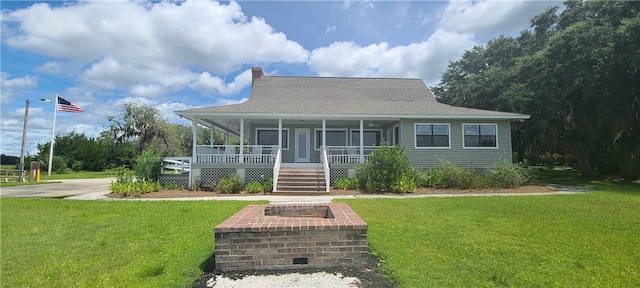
325 164
231 154
348 154
178 165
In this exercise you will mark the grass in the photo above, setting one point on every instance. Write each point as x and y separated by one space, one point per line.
585 240
46 179
588 239
63 243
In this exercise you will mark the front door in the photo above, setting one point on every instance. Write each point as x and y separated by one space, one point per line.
302 145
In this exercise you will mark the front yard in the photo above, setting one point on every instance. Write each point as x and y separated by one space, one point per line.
580 240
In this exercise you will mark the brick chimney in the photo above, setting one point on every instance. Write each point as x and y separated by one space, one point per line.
257 74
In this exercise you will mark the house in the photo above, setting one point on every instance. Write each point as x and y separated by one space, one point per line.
329 124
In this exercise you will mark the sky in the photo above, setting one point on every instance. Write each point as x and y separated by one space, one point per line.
176 55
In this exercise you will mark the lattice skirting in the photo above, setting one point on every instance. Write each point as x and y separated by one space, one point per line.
175 179
257 174
338 173
209 177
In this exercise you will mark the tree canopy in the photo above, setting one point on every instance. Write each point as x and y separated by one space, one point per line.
576 72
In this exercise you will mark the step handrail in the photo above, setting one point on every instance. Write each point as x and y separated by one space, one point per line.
325 162
276 170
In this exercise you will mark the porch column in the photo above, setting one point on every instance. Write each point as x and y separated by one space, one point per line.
194 131
213 132
226 138
361 141
280 134
241 140
324 133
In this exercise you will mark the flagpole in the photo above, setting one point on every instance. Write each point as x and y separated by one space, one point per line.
53 134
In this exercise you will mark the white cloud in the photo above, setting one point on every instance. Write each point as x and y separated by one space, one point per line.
50 68
330 29
207 83
424 60
22 82
10 87
486 16
136 45
346 4
230 101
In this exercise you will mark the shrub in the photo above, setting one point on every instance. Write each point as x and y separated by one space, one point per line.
448 175
406 184
506 175
134 188
123 176
386 167
268 185
254 187
148 166
230 184
427 178
352 183
77 166
58 164
172 186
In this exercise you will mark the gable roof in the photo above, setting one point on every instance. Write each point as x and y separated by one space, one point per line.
344 97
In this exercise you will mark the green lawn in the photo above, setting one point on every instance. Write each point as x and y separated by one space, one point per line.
586 240
63 243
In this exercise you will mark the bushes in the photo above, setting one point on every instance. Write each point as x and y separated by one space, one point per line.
268 186
134 188
230 184
386 171
347 183
448 175
254 187
148 166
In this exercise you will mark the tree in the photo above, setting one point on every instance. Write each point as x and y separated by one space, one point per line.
140 122
576 72
78 151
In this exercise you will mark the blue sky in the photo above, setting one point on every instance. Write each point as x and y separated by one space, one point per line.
176 55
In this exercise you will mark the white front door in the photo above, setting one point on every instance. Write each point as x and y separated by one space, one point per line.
302 145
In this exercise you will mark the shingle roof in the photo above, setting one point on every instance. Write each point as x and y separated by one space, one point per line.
345 96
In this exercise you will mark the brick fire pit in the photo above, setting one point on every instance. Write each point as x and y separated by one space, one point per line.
288 236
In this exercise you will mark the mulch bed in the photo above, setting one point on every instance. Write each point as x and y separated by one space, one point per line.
531 188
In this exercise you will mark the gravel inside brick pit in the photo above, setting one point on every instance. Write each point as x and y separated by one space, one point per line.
364 276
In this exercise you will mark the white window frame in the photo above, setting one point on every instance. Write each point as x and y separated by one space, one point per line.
393 134
415 136
464 144
364 130
315 139
275 129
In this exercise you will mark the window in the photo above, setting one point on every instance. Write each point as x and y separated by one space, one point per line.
334 138
396 135
480 135
432 135
371 137
269 137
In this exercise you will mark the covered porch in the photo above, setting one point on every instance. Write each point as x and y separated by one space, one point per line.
334 146
267 141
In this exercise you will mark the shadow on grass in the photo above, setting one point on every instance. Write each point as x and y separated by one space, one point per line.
209 265
573 178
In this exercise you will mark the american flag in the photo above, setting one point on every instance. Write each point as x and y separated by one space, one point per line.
66 106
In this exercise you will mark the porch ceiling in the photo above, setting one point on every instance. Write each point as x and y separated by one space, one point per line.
232 125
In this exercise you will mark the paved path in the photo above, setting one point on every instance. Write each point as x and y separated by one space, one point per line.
96 189
59 189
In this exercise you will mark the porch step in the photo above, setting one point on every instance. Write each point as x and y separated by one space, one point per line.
301 181
300 193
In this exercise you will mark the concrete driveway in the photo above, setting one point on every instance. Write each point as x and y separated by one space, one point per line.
70 187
